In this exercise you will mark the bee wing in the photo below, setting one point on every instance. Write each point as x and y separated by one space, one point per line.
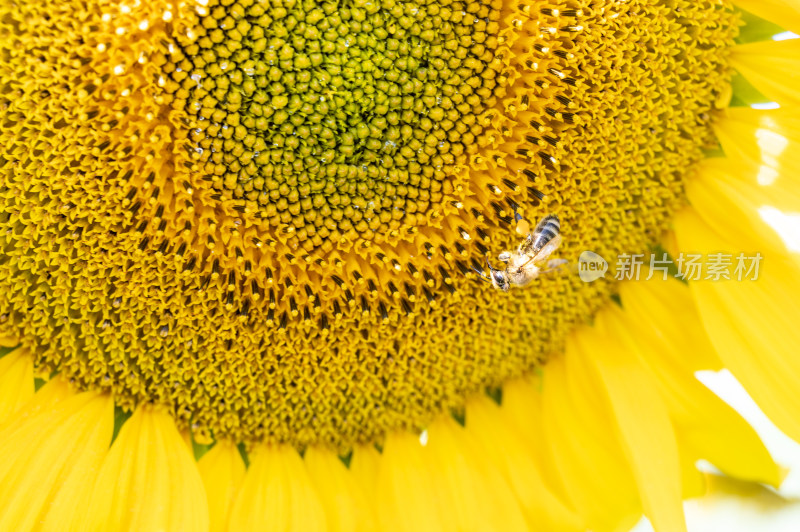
543 253
547 250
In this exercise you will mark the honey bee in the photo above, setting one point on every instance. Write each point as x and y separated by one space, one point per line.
525 264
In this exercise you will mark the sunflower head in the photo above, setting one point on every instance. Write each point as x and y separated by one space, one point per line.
259 227
269 218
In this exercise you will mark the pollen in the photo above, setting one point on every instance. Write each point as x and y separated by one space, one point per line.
268 216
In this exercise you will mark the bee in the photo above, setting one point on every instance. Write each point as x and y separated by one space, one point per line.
525 264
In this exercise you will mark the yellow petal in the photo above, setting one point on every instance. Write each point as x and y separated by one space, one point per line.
186 436
149 480
692 481
522 406
472 492
6 340
501 444
763 168
51 393
663 309
277 495
752 324
785 13
732 504
755 495
642 419
669 243
705 424
222 471
723 188
577 423
765 145
344 502
364 466
773 67
406 498
50 455
16 382
722 191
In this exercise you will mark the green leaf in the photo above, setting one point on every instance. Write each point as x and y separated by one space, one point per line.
120 417
756 28
496 394
243 453
6 350
744 94
199 449
672 266
346 459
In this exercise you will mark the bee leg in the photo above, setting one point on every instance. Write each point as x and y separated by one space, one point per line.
517 215
504 256
554 264
482 275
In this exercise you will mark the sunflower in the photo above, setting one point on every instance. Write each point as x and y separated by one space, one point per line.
244 248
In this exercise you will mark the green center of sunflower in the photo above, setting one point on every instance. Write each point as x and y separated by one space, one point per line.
332 121
266 214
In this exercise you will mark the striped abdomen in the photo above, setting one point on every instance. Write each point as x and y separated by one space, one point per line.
546 230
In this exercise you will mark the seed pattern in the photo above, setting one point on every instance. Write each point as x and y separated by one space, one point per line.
265 214
332 123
